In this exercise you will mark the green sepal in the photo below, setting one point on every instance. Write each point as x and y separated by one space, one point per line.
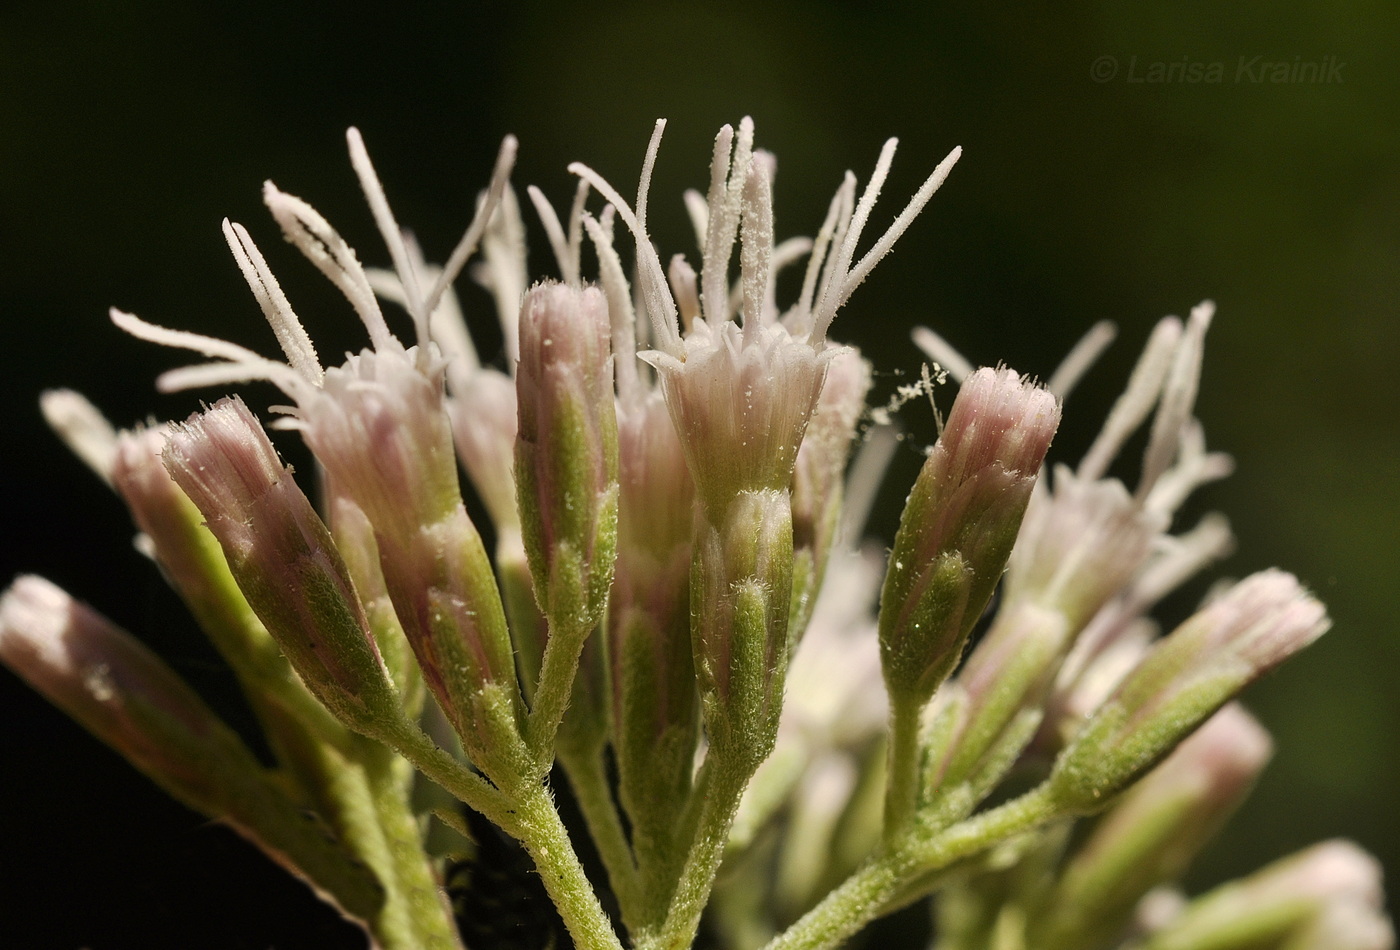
922 635
1114 748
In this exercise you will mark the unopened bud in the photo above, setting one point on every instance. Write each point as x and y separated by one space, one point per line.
958 526
1326 897
380 427
130 699
653 672
1186 677
566 450
740 588
484 426
283 558
818 479
116 688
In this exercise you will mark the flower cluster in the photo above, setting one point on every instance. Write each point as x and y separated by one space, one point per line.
678 611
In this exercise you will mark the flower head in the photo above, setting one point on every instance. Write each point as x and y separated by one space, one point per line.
1246 632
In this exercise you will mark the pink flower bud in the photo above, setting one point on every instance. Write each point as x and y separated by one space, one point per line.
1081 544
566 450
484 426
817 484
116 688
959 524
1234 640
1154 832
380 427
283 558
1326 897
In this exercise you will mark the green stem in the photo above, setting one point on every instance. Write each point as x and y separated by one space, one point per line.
589 780
866 893
538 827
469 788
529 815
556 684
720 791
902 781
416 887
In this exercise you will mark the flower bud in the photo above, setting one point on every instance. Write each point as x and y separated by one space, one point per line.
817 484
741 399
1001 688
380 427
484 426
740 587
653 673
958 526
1234 640
131 700
566 450
283 558
113 685
1081 544
1326 897
191 558
1152 834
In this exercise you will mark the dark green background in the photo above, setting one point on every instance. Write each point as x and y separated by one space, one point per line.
127 130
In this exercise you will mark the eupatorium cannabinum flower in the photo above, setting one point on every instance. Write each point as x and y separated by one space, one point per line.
663 468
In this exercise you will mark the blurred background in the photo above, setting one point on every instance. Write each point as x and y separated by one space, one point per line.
1087 191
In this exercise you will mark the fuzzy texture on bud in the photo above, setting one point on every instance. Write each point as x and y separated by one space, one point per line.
130 699
653 673
283 558
566 450
817 483
741 398
1186 677
740 586
959 525
119 690
380 427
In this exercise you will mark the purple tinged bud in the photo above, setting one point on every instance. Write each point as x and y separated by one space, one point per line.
959 525
130 699
115 687
1082 543
158 506
380 427
1225 646
817 484
650 603
1326 897
283 558
566 449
